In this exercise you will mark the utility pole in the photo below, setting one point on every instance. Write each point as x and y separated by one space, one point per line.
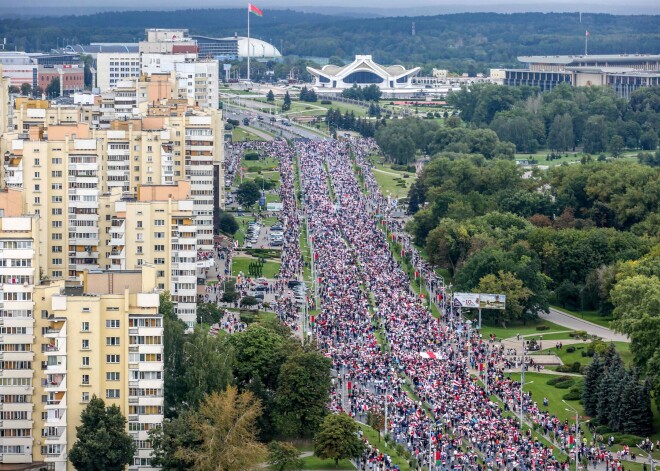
522 384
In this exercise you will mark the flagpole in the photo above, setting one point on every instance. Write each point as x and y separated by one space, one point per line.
248 45
586 42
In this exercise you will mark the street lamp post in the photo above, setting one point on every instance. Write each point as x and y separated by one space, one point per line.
577 430
650 457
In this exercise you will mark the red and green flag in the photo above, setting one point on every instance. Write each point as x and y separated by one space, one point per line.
254 9
571 442
438 457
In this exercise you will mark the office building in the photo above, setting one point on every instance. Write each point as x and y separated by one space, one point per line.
623 73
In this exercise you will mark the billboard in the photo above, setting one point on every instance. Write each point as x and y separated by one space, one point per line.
492 301
467 300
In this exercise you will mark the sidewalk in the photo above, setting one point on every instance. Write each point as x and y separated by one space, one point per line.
575 323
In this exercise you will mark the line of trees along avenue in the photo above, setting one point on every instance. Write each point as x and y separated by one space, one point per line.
584 236
261 384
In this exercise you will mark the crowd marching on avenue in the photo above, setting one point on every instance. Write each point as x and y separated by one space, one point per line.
453 409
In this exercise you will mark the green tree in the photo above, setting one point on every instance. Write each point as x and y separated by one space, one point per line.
448 244
102 441
227 223
595 135
516 294
208 313
286 105
227 424
53 88
172 435
337 438
376 420
560 136
616 145
26 89
247 193
260 353
208 364
174 331
636 301
592 376
303 390
270 97
13 89
283 456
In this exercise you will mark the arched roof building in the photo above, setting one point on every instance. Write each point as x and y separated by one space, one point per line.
363 72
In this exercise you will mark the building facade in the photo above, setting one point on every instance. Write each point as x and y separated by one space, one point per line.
623 73
112 68
363 72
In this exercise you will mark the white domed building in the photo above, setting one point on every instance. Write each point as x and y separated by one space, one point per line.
235 47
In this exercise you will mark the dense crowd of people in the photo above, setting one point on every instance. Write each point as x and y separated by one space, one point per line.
454 409
375 328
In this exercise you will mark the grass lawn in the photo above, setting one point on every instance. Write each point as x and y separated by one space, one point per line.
591 316
537 384
313 462
569 358
242 134
514 328
392 182
372 437
241 264
304 250
272 198
263 165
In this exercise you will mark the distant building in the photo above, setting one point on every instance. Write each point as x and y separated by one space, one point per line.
72 78
235 48
363 72
624 73
114 67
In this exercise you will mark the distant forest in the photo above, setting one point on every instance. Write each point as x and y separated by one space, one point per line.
459 42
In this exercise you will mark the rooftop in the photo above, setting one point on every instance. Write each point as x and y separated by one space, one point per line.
589 58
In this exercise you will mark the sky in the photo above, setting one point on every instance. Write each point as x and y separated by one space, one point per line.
414 7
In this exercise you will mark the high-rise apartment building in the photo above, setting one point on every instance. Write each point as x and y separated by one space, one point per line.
102 336
158 228
114 67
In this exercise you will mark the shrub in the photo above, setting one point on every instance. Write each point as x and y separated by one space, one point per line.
543 327
575 367
565 384
248 316
565 369
572 395
570 349
602 429
625 439
558 379
251 156
578 334
326 102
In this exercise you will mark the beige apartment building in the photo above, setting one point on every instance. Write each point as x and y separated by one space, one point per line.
61 342
156 227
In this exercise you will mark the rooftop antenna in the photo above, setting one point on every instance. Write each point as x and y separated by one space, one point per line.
413 28
580 17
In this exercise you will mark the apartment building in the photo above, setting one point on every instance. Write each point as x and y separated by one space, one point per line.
100 336
19 272
115 67
157 227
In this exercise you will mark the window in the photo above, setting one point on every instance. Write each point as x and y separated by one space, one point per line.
56 211
57 236
56 199
85 344
112 358
112 393
139 249
85 361
112 376
159 248
139 224
56 186
57 261
85 397
159 222
159 235
56 248
160 273
112 341
84 327
84 380
56 173
112 323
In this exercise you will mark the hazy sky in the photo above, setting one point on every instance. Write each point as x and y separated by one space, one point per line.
618 6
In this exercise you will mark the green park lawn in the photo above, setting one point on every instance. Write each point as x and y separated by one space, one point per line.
241 134
391 182
313 462
241 264
537 384
591 316
263 165
568 358
373 438
514 328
